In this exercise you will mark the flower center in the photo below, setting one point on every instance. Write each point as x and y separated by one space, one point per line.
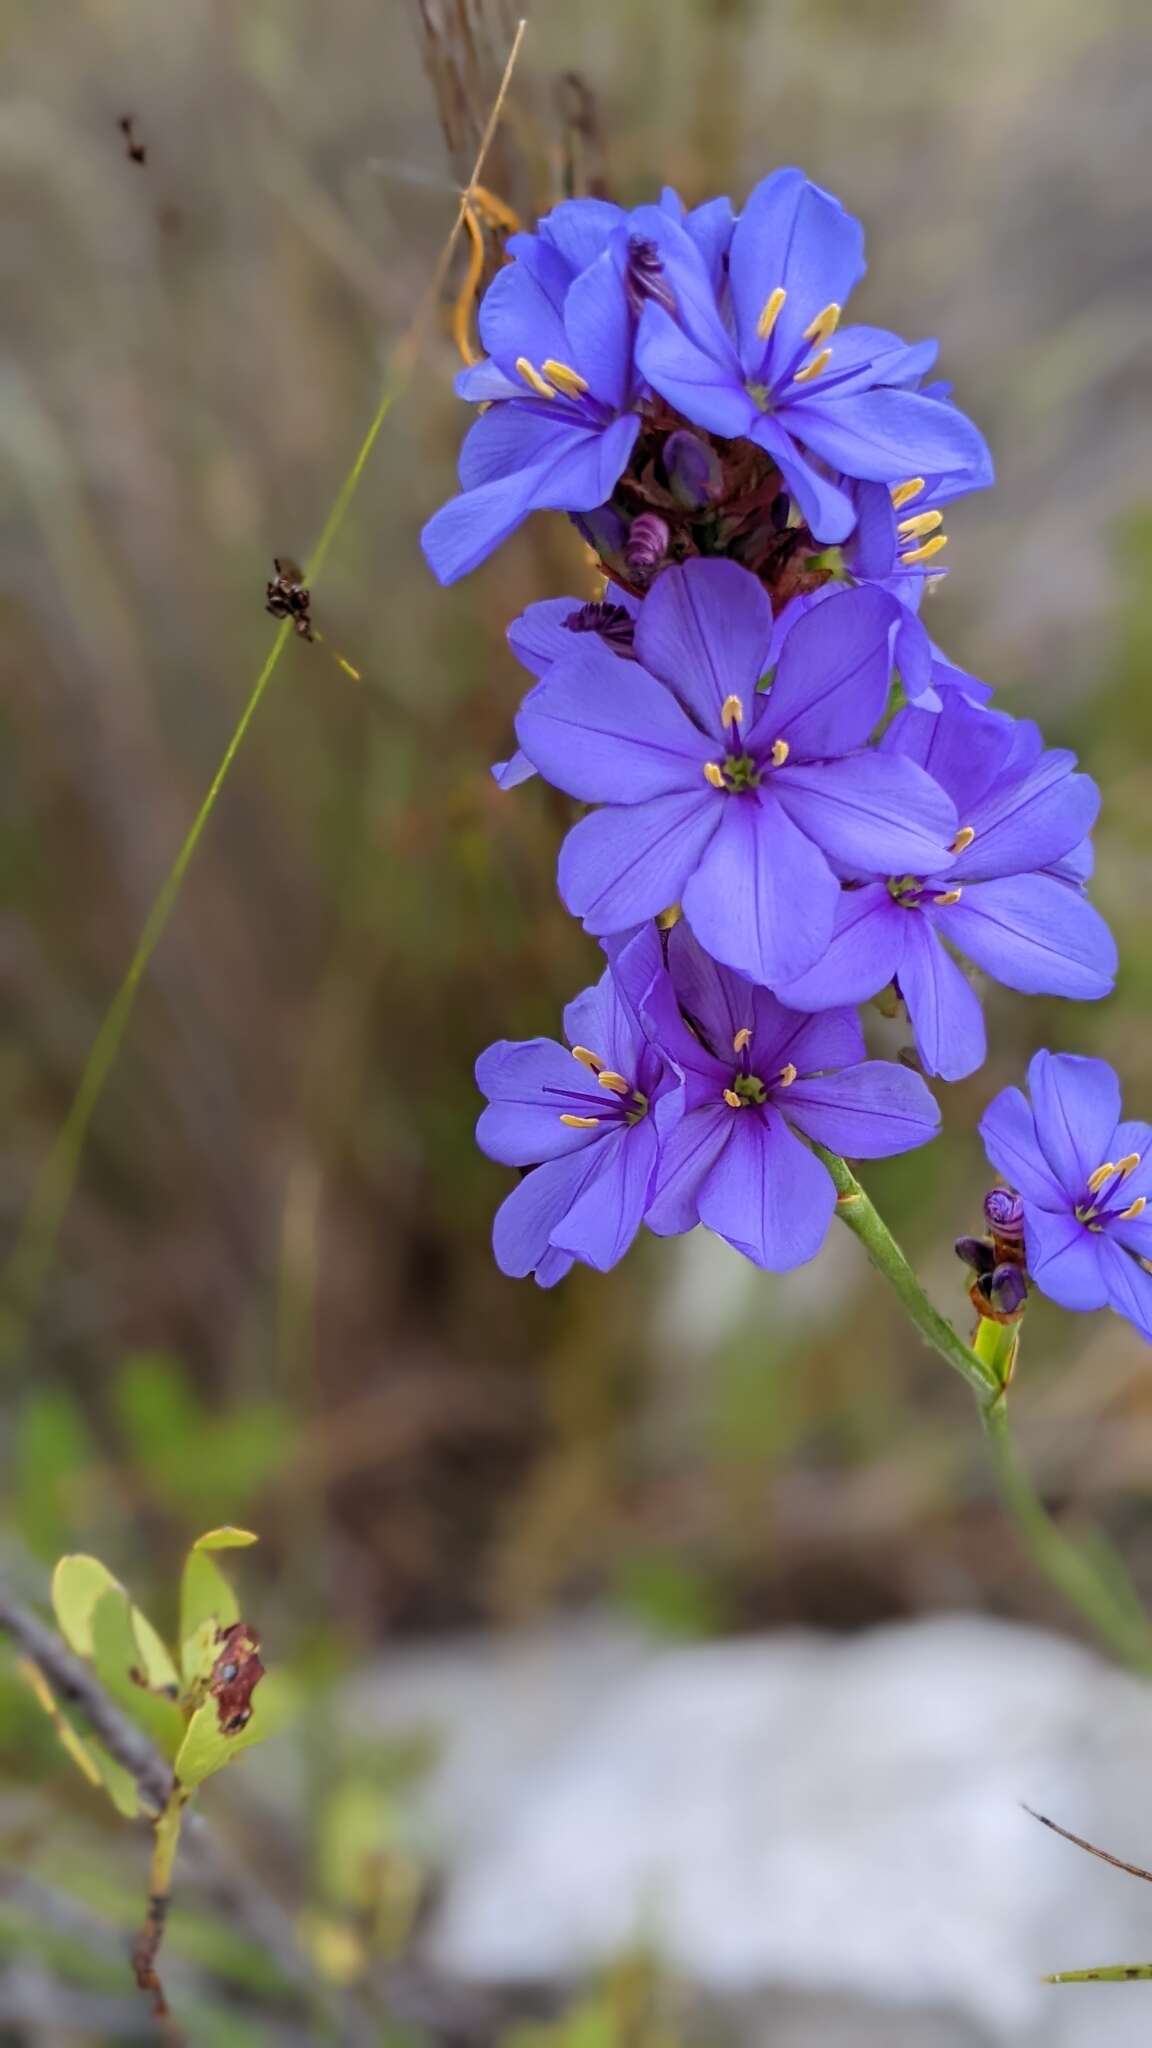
741 770
629 1105
1102 1188
746 1089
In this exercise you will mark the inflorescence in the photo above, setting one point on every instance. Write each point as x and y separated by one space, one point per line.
799 803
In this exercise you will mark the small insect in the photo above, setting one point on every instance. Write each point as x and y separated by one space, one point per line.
287 596
235 1675
1108 1973
134 148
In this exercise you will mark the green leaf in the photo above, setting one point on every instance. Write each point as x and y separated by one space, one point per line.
206 1749
116 1656
226 1538
78 1582
91 1760
206 1599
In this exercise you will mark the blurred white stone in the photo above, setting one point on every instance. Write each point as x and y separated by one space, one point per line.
826 1833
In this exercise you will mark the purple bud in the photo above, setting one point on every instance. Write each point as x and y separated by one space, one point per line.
644 277
1005 1213
647 543
780 511
695 477
613 622
976 1252
1006 1290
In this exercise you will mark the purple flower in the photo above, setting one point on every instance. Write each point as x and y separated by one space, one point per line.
1084 1177
586 1121
559 383
824 402
540 636
756 1074
734 800
996 900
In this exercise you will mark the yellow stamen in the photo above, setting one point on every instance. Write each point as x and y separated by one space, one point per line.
949 896
670 917
1128 1164
733 1100
1135 1208
780 753
569 381
920 522
533 379
1102 1173
731 711
714 774
824 324
615 1082
581 1123
963 838
770 312
787 1075
814 368
586 1058
743 1037
926 552
903 494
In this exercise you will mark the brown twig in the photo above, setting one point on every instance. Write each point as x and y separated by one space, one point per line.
1117 1862
76 1688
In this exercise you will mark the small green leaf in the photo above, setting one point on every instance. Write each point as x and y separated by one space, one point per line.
89 1757
78 1582
116 1656
205 1597
206 1749
226 1538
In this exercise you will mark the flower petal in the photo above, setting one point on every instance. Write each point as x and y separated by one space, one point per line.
767 1194
601 1019
705 387
1129 1286
580 472
762 898
870 812
604 1219
540 635
870 1111
1076 1103
600 326
793 235
1064 1258
826 508
511 773
629 862
1027 823
706 630
1008 1129
862 957
883 435
581 228
944 1011
962 747
687 1156
606 731
1034 934
520 312
523 1223
832 682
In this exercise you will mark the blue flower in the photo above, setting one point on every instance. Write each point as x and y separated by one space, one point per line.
1009 898
586 1121
1084 1177
771 364
542 635
744 804
757 1074
559 383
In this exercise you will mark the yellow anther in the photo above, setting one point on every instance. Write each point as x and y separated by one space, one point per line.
714 774
567 380
670 917
824 324
787 1076
770 312
925 552
586 1058
615 1082
903 494
920 522
731 711
743 1037
963 838
1128 1164
1135 1208
733 1100
1096 1180
780 753
533 379
581 1123
949 896
814 368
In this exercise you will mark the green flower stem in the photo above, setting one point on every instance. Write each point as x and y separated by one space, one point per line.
1090 1576
146 1947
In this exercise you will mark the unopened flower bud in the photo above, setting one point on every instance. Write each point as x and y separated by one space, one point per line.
693 469
647 543
1005 1213
976 1252
1006 1290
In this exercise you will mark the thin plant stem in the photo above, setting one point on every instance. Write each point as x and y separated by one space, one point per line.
1094 1584
26 1268
146 1947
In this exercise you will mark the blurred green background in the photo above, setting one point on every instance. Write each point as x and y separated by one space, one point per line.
273 1300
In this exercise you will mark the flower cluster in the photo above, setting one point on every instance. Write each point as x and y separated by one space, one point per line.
796 802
